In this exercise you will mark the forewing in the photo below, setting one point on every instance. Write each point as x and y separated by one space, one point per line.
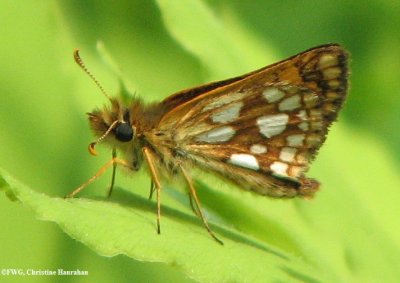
271 121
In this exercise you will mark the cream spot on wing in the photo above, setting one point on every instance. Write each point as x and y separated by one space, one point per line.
302 115
217 135
331 73
228 114
329 107
272 125
290 103
244 160
279 168
295 140
315 114
310 99
296 171
302 157
313 139
304 126
331 95
221 101
287 154
317 125
334 84
327 60
273 94
258 149
290 89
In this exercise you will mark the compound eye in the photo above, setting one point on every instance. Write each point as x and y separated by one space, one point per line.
124 132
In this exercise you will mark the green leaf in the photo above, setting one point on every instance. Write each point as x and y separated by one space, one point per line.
126 225
226 48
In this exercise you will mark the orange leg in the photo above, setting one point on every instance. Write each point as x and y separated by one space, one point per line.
194 209
114 161
155 182
196 199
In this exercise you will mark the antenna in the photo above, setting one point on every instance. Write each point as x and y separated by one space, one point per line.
79 61
92 150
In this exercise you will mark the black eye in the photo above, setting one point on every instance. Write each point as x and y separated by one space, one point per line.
124 132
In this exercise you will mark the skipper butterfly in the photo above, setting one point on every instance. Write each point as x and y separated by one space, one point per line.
260 130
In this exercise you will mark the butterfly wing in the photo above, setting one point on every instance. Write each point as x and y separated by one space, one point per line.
262 129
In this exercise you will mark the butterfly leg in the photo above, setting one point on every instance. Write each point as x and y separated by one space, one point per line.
194 209
152 189
113 161
155 180
196 199
114 155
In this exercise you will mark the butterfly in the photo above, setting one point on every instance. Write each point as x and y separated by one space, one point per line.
259 130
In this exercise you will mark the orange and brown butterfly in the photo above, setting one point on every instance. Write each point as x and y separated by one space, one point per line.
260 130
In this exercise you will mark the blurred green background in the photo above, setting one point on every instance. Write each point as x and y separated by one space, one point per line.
44 98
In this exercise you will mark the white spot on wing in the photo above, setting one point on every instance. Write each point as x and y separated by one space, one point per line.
221 134
221 101
273 94
279 168
244 160
272 125
290 103
228 114
287 154
258 149
295 140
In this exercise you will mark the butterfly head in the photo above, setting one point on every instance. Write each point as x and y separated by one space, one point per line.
112 125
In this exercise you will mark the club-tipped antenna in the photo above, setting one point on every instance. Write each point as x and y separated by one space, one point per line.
79 61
